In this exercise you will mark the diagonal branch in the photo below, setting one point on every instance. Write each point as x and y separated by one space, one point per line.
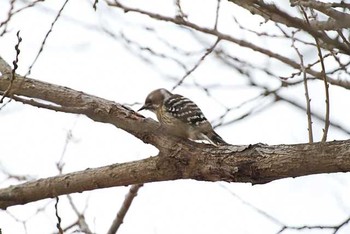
325 131
188 160
229 38
67 100
124 208
177 159
272 12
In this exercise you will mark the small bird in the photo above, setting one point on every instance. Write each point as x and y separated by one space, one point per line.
181 116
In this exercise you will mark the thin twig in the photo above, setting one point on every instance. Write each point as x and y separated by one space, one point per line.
45 38
323 73
15 66
95 5
246 203
335 228
217 15
81 222
124 208
243 43
314 114
58 225
209 50
180 13
307 97
9 16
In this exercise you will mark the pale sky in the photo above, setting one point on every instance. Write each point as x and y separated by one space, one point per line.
80 56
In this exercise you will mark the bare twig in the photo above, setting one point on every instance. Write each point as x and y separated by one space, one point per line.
124 208
326 9
326 87
95 5
45 38
81 222
180 13
217 15
17 177
226 37
271 12
258 210
30 4
9 16
257 108
15 66
314 114
323 72
58 225
307 97
209 50
335 228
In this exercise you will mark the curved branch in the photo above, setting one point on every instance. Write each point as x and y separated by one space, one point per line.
178 158
272 12
188 160
226 37
63 99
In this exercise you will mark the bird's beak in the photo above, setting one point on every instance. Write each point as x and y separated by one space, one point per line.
144 107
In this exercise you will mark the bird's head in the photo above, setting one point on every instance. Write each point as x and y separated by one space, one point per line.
155 100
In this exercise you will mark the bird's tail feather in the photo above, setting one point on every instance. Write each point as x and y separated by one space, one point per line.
214 139
217 139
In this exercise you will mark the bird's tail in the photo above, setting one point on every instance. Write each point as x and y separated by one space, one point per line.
215 139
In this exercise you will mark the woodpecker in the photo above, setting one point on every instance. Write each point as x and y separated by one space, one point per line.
181 116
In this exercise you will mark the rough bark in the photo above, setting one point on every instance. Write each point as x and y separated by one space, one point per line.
177 158
188 160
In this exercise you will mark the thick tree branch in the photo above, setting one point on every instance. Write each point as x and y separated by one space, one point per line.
177 159
63 99
189 160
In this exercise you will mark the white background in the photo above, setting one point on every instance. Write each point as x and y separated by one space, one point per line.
80 56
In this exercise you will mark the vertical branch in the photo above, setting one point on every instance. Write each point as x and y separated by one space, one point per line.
308 106
95 5
180 13
323 73
58 225
15 66
81 222
308 100
217 15
124 208
326 86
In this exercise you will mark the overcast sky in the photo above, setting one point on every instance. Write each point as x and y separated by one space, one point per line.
80 56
